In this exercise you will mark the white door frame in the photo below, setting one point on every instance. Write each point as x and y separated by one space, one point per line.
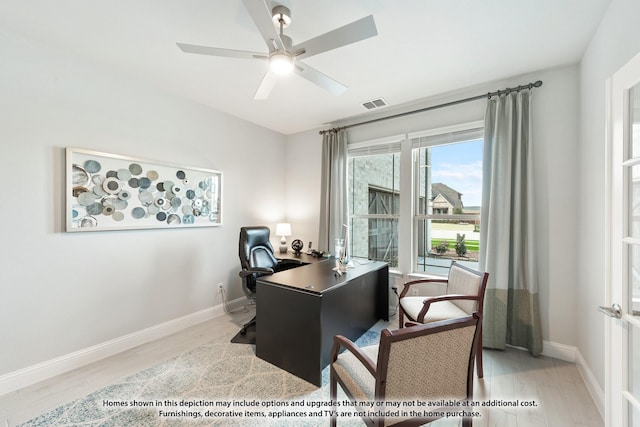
608 374
617 240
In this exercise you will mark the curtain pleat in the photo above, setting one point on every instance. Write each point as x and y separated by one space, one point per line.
333 192
507 234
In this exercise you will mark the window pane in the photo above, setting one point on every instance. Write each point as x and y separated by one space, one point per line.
449 193
634 201
359 238
438 244
634 279
369 174
634 109
375 239
374 205
634 361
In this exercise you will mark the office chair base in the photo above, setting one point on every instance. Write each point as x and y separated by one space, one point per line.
247 334
246 326
249 337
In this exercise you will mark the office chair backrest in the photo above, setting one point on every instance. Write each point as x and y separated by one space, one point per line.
255 250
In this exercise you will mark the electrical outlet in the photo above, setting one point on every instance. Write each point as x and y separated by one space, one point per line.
414 292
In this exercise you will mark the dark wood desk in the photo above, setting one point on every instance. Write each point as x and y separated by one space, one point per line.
299 311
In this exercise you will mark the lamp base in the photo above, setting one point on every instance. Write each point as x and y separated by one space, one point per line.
283 245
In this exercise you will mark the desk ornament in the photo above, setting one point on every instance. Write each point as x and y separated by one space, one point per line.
297 246
341 256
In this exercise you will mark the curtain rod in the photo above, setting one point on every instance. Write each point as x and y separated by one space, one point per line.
433 107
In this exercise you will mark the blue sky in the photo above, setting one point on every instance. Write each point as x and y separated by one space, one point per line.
460 167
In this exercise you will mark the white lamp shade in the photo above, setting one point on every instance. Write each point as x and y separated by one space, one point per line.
283 229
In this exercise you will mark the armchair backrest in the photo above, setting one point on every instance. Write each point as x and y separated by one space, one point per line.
467 281
430 362
255 250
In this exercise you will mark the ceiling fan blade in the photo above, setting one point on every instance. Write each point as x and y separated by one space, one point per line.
267 83
261 15
322 80
354 32
216 51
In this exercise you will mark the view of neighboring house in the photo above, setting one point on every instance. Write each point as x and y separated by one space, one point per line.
445 200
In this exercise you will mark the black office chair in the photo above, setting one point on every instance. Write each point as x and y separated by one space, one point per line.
257 259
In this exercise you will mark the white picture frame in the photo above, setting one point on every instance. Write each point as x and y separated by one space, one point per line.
114 192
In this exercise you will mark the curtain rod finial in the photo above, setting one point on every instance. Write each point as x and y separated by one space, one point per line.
538 83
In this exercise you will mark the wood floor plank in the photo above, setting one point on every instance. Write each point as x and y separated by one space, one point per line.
555 385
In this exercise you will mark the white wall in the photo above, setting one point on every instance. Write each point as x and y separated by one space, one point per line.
303 165
616 41
555 133
60 292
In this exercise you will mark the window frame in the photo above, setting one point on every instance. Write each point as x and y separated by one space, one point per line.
387 145
407 217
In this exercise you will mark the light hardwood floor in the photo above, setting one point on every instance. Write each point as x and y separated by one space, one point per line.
555 385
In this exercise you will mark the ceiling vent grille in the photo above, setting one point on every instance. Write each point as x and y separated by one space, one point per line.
374 103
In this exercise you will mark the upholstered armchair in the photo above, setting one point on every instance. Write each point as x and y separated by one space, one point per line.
427 362
464 295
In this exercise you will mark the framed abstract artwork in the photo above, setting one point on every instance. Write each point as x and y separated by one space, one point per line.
113 192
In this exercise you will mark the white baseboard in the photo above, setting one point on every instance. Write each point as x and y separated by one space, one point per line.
555 350
559 351
32 374
597 394
571 354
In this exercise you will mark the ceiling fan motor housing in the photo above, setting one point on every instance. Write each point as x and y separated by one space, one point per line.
281 15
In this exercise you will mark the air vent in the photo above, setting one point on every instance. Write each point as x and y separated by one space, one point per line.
374 103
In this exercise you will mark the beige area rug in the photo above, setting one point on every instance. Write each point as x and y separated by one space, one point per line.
180 391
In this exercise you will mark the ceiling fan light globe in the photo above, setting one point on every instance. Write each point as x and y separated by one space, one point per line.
281 63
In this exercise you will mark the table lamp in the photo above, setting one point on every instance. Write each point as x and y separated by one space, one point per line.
283 229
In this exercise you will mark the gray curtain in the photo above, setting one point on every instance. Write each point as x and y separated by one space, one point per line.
507 235
333 193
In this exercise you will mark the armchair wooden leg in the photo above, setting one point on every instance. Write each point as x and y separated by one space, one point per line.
479 353
333 395
400 317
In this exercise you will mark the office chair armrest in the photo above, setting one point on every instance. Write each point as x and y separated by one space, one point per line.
450 297
250 271
407 285
340 341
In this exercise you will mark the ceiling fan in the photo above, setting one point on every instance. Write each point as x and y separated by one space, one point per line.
284 57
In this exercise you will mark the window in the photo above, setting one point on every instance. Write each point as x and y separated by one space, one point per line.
431 180
383 225
448 193
374 205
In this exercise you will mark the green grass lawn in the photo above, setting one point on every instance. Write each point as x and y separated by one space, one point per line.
472 245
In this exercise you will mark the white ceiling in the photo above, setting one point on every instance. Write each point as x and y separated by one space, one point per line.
423 47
